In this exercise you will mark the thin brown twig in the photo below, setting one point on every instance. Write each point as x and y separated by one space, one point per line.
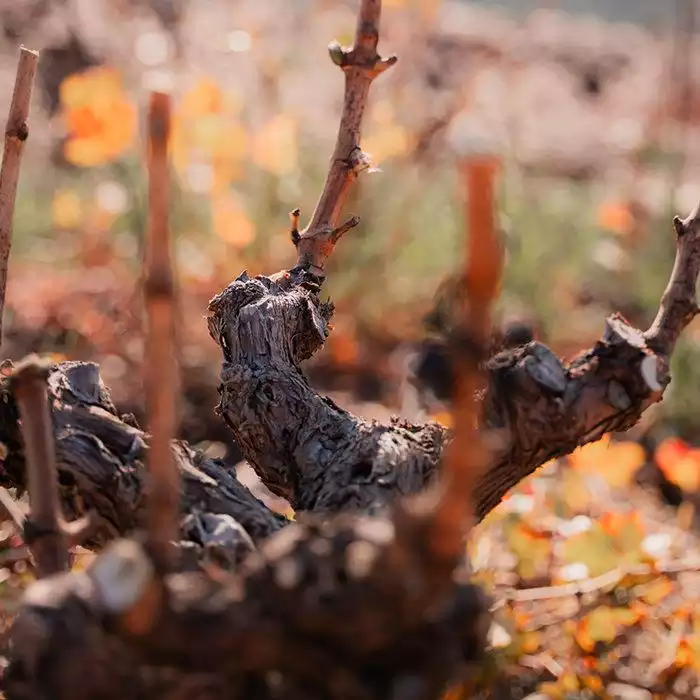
43 527
678 304
361 65
467 456
16 133
45 532
161 366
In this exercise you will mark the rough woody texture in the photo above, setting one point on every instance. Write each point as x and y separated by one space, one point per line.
16 133
101 458
352 600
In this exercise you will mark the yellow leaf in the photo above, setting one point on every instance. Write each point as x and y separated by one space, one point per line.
574 492
592 548
532 549
598 626
569 682
530 642
66 209
275 145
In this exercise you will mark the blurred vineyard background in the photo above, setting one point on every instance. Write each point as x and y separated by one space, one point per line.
597 120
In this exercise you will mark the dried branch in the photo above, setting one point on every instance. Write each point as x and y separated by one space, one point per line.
361 65
101 461
467 457
678 306
16 133
45 532
161 367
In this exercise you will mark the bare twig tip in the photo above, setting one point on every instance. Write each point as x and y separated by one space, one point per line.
294 216
16 133
678 225
385 63
344 228
337 53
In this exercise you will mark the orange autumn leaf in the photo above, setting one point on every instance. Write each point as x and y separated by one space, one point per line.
100 119
615 216
680 463
593 682
616 462
670 450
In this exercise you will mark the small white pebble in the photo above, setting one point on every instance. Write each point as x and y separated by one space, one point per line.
581 523
519 503
112 197
239 41
498 638
577 571
152 48
657 544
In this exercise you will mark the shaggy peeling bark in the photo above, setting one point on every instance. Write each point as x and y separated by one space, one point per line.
305 447
101 457
324 459
357 599
321 458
